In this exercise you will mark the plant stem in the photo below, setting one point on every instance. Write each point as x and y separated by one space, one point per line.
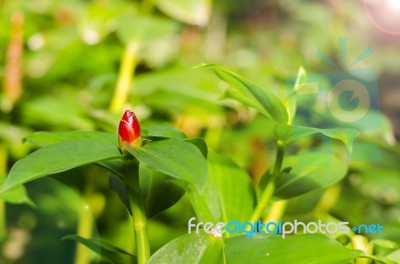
327 200
85 221
3 169
276 211
280 153
270 188
125 77
82 255
139 222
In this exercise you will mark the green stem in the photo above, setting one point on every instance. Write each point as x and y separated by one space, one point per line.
85 221
125 77
270 188
276 211
3 170
82 255
139 222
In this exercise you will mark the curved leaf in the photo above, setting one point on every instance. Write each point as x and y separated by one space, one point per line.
200 144
227 195
16 196
109 253
308 172
56 158
191 248
250 94
159 191
118 186
160 131
174 157
288 133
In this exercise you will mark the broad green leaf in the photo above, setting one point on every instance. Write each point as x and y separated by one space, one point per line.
308 172
159 131
58 157
174 157
107 252
346 135
16 196
48 138
295 249
227 195
200 144
191 248
250 94
291 103
195 12
288 133
159 191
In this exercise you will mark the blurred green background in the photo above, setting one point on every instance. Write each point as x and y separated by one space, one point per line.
76 65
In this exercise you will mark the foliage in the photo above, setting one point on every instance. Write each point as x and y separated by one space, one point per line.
264 147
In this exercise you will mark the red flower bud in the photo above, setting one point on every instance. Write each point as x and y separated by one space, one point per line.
129 130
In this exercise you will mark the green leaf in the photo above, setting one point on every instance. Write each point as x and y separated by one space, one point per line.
309 171
159 191
228 193
48 138
288 134
383 247
144 29
16 196
296 249
195 12
107 252
191 248
394 256
291 103
200 144
58 157
159 131
175 158
250 94
118 186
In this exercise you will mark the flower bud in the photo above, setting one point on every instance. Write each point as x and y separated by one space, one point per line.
129 130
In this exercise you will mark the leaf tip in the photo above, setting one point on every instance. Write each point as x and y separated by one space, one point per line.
201 65
4 188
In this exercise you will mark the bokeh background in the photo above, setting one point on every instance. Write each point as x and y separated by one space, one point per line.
76 65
